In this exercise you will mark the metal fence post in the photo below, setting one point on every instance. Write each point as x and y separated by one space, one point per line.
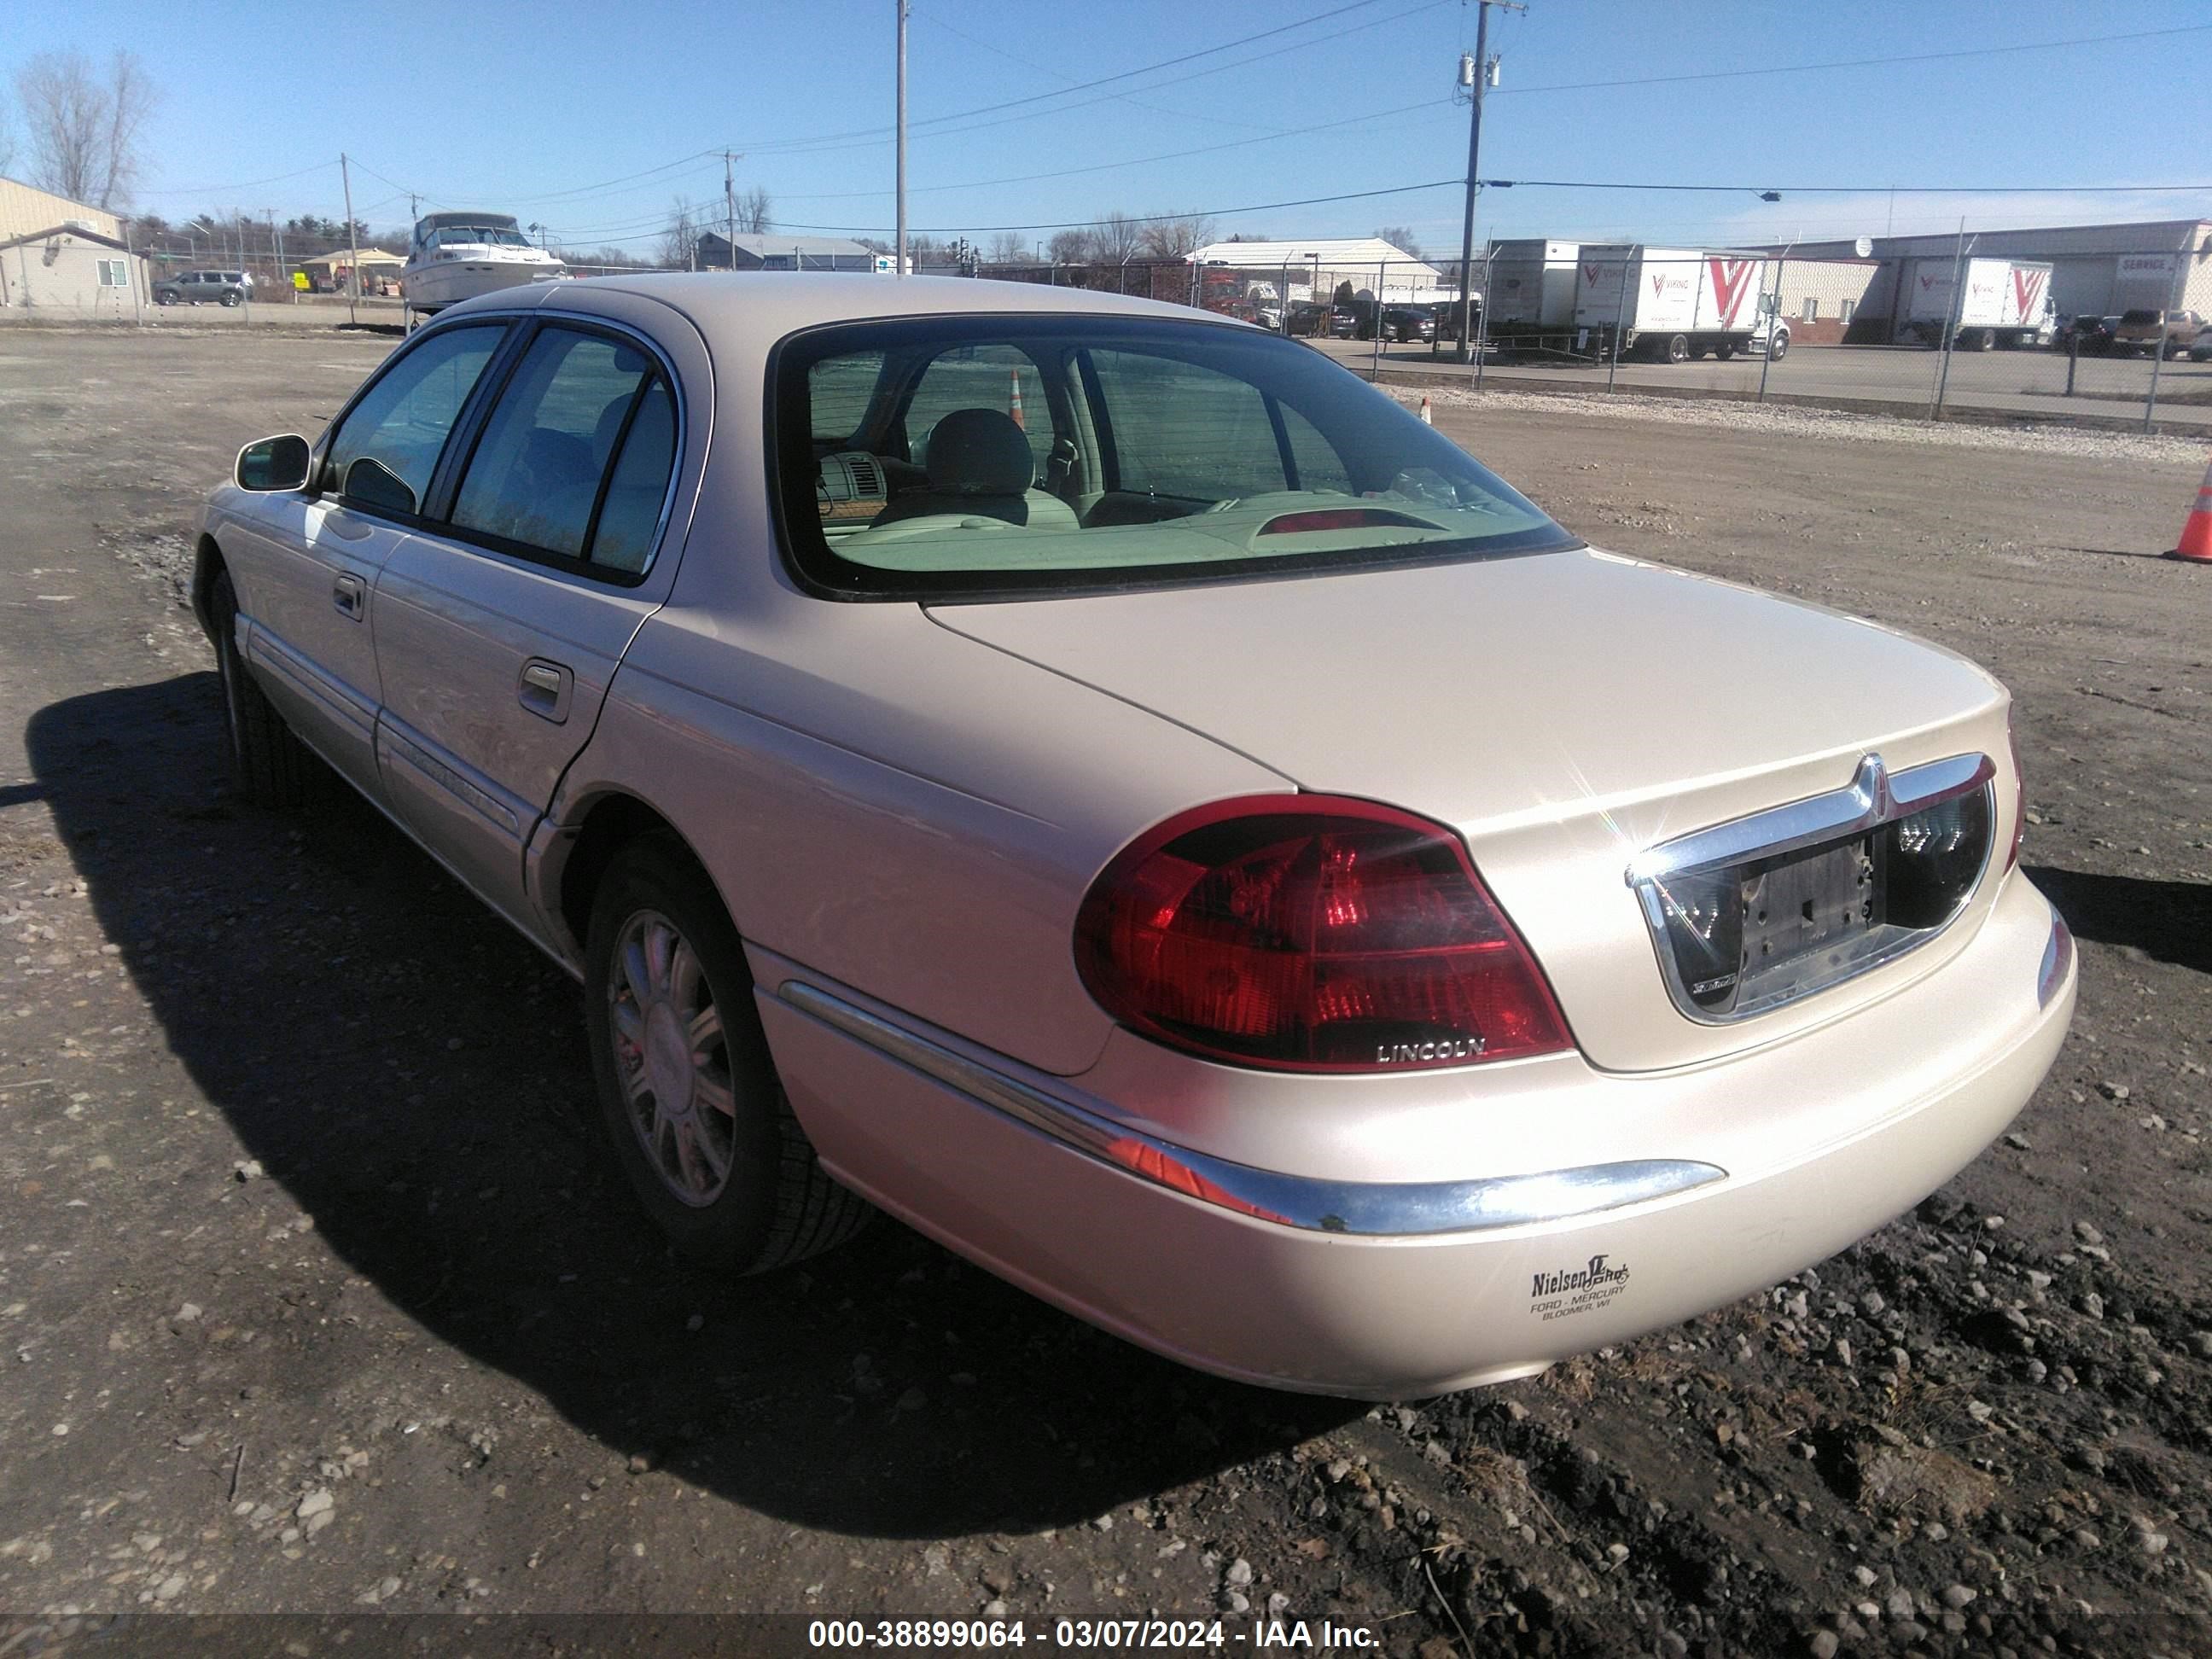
1381 266
1773 322
1283 296
1482 324
1620 316
2073 358
1951 314
2157 357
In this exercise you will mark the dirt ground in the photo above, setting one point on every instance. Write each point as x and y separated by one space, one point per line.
317 1297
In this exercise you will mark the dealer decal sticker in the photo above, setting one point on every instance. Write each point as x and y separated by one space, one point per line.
1577 1289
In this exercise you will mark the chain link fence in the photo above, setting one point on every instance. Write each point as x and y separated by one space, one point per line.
2104 341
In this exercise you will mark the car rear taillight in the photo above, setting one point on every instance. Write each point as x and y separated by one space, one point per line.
1312 933
2019 795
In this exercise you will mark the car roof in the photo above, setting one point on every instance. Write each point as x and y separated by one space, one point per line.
755 309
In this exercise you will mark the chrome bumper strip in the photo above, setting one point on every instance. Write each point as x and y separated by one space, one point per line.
1367 1209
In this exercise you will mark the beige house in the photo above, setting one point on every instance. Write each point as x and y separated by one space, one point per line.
25 208
66 271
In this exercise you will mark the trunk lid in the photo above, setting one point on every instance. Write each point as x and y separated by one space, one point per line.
1563 711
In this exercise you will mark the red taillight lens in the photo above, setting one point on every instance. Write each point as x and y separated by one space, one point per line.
2019 796
1305 932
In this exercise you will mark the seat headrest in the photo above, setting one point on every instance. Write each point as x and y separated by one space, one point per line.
980 452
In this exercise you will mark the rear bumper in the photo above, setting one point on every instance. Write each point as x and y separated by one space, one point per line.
1411 1287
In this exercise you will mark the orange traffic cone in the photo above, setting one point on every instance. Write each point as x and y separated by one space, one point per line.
1014 399
1428 413
2197 532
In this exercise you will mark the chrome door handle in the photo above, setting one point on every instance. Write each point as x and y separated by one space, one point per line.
349 594
544 690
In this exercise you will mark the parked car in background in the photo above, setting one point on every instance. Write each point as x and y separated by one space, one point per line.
1073 837
1309 318
193 288
2201 350
1409 324
2167 332
2087 335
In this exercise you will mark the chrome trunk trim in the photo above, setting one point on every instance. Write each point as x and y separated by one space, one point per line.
1874 797
1366 1209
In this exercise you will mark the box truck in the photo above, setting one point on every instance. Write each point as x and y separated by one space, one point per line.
1674 303
2004 302
1531 292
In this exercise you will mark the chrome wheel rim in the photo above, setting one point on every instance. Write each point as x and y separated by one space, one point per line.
671 1059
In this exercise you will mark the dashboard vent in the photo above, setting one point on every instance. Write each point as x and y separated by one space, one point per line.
867 478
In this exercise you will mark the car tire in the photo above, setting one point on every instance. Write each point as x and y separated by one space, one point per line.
770 1204
1778 346
1677 349
165 299
230 300
1724 350
269 764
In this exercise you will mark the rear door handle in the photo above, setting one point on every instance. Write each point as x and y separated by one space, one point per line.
349 594
543 689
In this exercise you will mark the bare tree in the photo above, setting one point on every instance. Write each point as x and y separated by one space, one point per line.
1070 247
679 238
7 138
85 131
1008 249
1399 236
1115 238
1176 238
753 211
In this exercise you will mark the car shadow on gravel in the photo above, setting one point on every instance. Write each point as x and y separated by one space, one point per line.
414 1075
2169 921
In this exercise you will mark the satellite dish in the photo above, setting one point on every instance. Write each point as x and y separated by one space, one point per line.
1864 246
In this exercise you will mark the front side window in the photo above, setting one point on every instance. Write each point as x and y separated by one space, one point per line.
992 456
401 424
577 435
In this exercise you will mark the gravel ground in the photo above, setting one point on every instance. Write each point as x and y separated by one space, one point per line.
1784 420
316 1298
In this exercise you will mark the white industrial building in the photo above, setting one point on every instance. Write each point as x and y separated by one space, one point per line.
64 258
1299 270
2163 264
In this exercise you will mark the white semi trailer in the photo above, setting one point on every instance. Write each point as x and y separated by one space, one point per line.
1531 292
1673 303
1996 302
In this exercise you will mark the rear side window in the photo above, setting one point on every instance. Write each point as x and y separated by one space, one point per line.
402 422
586 424
1185 430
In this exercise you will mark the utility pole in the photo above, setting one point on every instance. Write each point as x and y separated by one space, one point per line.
353 242
730 207
1474 160
277 246
899 267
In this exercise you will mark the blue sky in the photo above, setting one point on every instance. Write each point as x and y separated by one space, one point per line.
549 111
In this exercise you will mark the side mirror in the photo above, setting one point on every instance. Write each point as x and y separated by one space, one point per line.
273 464
369 482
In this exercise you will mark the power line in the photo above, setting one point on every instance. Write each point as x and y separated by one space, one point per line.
249 183
1853 63
1856 190
869 137
1157 218
1134 161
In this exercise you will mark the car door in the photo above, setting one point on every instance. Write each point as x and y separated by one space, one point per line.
306 562
497 636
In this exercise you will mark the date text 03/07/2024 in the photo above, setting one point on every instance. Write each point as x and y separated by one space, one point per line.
1292 1635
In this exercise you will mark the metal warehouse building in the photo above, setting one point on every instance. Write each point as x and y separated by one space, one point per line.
2163 265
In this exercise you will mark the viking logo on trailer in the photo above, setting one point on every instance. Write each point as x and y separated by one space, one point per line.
1590 275
2027 288
1731 282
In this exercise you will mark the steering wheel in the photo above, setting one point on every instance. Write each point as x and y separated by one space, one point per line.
922 523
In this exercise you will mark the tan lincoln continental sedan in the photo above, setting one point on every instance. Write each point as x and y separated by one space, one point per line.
1109 787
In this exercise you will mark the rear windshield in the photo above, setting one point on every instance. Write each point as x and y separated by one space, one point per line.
2137 319
976 456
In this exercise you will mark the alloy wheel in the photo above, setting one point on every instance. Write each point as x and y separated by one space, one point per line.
671 1057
